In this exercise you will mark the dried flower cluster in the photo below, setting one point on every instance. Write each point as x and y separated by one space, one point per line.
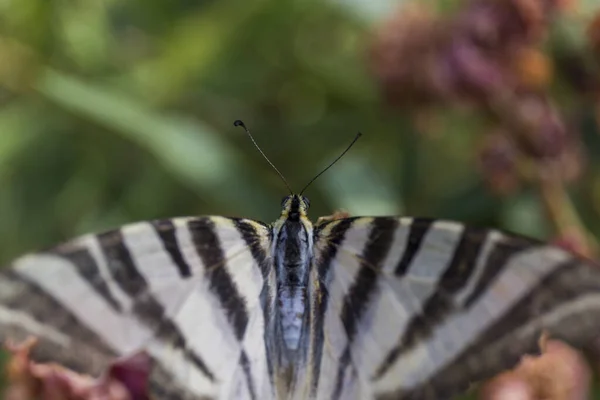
486 56
489 48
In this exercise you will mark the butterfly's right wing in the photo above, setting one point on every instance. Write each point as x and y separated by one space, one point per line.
418 309
193 292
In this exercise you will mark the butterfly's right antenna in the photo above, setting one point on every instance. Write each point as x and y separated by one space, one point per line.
239 122
334 161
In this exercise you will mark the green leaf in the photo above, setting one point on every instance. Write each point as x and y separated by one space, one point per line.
193 152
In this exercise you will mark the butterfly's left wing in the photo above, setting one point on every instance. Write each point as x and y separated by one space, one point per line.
419 309
186 290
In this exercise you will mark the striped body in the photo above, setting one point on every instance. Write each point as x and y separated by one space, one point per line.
356 308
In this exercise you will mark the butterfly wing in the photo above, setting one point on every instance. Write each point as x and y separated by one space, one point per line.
419 309
186 290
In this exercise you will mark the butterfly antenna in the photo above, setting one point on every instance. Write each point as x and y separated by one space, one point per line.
241 123
334 161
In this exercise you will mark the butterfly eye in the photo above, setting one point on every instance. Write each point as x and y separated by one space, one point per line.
283 201
306 201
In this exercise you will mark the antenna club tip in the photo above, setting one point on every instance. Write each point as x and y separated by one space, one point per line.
359 134
238 122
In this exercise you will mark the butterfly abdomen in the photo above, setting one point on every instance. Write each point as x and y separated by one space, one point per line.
292 306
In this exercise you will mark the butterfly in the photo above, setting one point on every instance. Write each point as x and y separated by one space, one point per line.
349 308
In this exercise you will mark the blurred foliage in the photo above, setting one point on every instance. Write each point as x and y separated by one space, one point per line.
113 112
118 111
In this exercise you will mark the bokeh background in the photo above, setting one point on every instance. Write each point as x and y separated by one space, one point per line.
114 111
118 111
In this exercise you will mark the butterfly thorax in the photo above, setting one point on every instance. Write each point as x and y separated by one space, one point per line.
292 255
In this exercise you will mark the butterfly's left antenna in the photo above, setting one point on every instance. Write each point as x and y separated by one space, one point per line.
239 122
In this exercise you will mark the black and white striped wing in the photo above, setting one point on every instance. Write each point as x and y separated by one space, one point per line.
418 309
187 290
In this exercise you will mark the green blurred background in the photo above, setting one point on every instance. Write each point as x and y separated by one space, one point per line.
115 111
118 111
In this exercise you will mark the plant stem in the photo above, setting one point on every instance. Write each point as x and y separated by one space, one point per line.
561 211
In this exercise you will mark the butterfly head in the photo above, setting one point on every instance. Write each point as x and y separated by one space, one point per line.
294 207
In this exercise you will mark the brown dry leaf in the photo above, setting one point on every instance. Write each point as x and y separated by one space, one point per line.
126 379
559 373
339 214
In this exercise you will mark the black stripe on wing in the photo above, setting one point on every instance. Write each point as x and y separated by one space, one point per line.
503 250
166 232
88 269
359 294
245 363
208 247
332 243
416 235
253 240
440 304
145 307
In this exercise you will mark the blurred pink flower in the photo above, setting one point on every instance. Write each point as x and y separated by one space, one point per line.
126 379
